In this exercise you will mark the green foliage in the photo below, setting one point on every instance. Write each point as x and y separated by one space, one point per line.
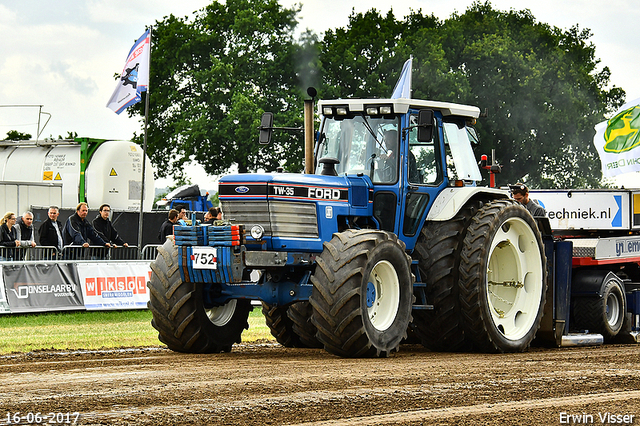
214 199
14 135
541 90
70 135
212 77
539 85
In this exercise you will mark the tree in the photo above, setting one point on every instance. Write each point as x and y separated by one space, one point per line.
360 61
541 89
211 79
539 84
214 75
14 135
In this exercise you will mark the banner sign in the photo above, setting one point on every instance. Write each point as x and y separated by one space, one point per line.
590 210
134 78
107 286
618 141
4 305
38 288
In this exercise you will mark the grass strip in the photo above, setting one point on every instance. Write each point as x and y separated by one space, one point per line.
94 330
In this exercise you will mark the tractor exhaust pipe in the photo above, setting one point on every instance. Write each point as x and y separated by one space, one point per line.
309 131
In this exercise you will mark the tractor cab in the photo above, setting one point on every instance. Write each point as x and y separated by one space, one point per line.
409 150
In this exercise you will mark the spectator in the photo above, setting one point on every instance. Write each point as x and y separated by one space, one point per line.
8 235
213 214
50 232
77 231
520 193
24 230
104 228
182 215
167 227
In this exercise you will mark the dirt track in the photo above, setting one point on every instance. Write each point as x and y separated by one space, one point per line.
268 384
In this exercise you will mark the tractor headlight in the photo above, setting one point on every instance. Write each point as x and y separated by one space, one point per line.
257 232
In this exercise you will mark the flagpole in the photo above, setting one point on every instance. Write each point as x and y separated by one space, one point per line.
144 150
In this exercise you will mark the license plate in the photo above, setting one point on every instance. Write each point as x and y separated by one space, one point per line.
204 258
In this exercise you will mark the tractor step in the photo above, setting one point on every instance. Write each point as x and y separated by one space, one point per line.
423 307
421 296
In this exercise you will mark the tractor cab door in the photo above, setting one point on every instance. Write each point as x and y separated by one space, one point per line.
424 175
367 145
431 165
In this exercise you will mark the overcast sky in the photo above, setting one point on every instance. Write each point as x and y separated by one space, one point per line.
63 54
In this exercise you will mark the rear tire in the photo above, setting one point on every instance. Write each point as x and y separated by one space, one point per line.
179 315
300 315
291 325
280 325
438 253
362 294
502 278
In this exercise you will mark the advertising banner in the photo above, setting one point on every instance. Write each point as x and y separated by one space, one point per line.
41 288
4 305
618 141
589 210
107 286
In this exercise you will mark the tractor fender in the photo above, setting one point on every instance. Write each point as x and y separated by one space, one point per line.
587 282
450 200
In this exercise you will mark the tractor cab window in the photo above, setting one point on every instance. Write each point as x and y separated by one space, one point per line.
461 162
361 144
423 167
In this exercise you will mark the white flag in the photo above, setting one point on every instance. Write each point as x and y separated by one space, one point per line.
135 76
618 141
403 86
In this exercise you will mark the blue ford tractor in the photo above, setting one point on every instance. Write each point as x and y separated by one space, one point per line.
386 233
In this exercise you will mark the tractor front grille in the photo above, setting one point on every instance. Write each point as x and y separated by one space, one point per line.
281 219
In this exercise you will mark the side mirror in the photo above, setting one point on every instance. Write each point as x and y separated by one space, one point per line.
425 125
266 128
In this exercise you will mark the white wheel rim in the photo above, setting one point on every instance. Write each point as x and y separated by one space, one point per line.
386 297
613 309
221 315
514 279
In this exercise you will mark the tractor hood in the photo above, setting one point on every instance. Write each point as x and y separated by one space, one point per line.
297 211
354 191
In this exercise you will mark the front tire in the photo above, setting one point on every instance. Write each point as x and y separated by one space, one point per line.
362 294
502 278
179 314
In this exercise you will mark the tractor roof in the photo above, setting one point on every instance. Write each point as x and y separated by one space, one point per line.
401 106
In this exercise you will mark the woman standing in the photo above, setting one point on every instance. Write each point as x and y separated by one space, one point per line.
8 234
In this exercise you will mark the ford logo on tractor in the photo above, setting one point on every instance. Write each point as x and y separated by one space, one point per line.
242 189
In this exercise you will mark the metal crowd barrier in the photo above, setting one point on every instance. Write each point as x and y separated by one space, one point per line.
41 253
150 251
28 253
99 253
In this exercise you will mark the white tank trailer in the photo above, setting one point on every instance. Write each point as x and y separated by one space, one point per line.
66 172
